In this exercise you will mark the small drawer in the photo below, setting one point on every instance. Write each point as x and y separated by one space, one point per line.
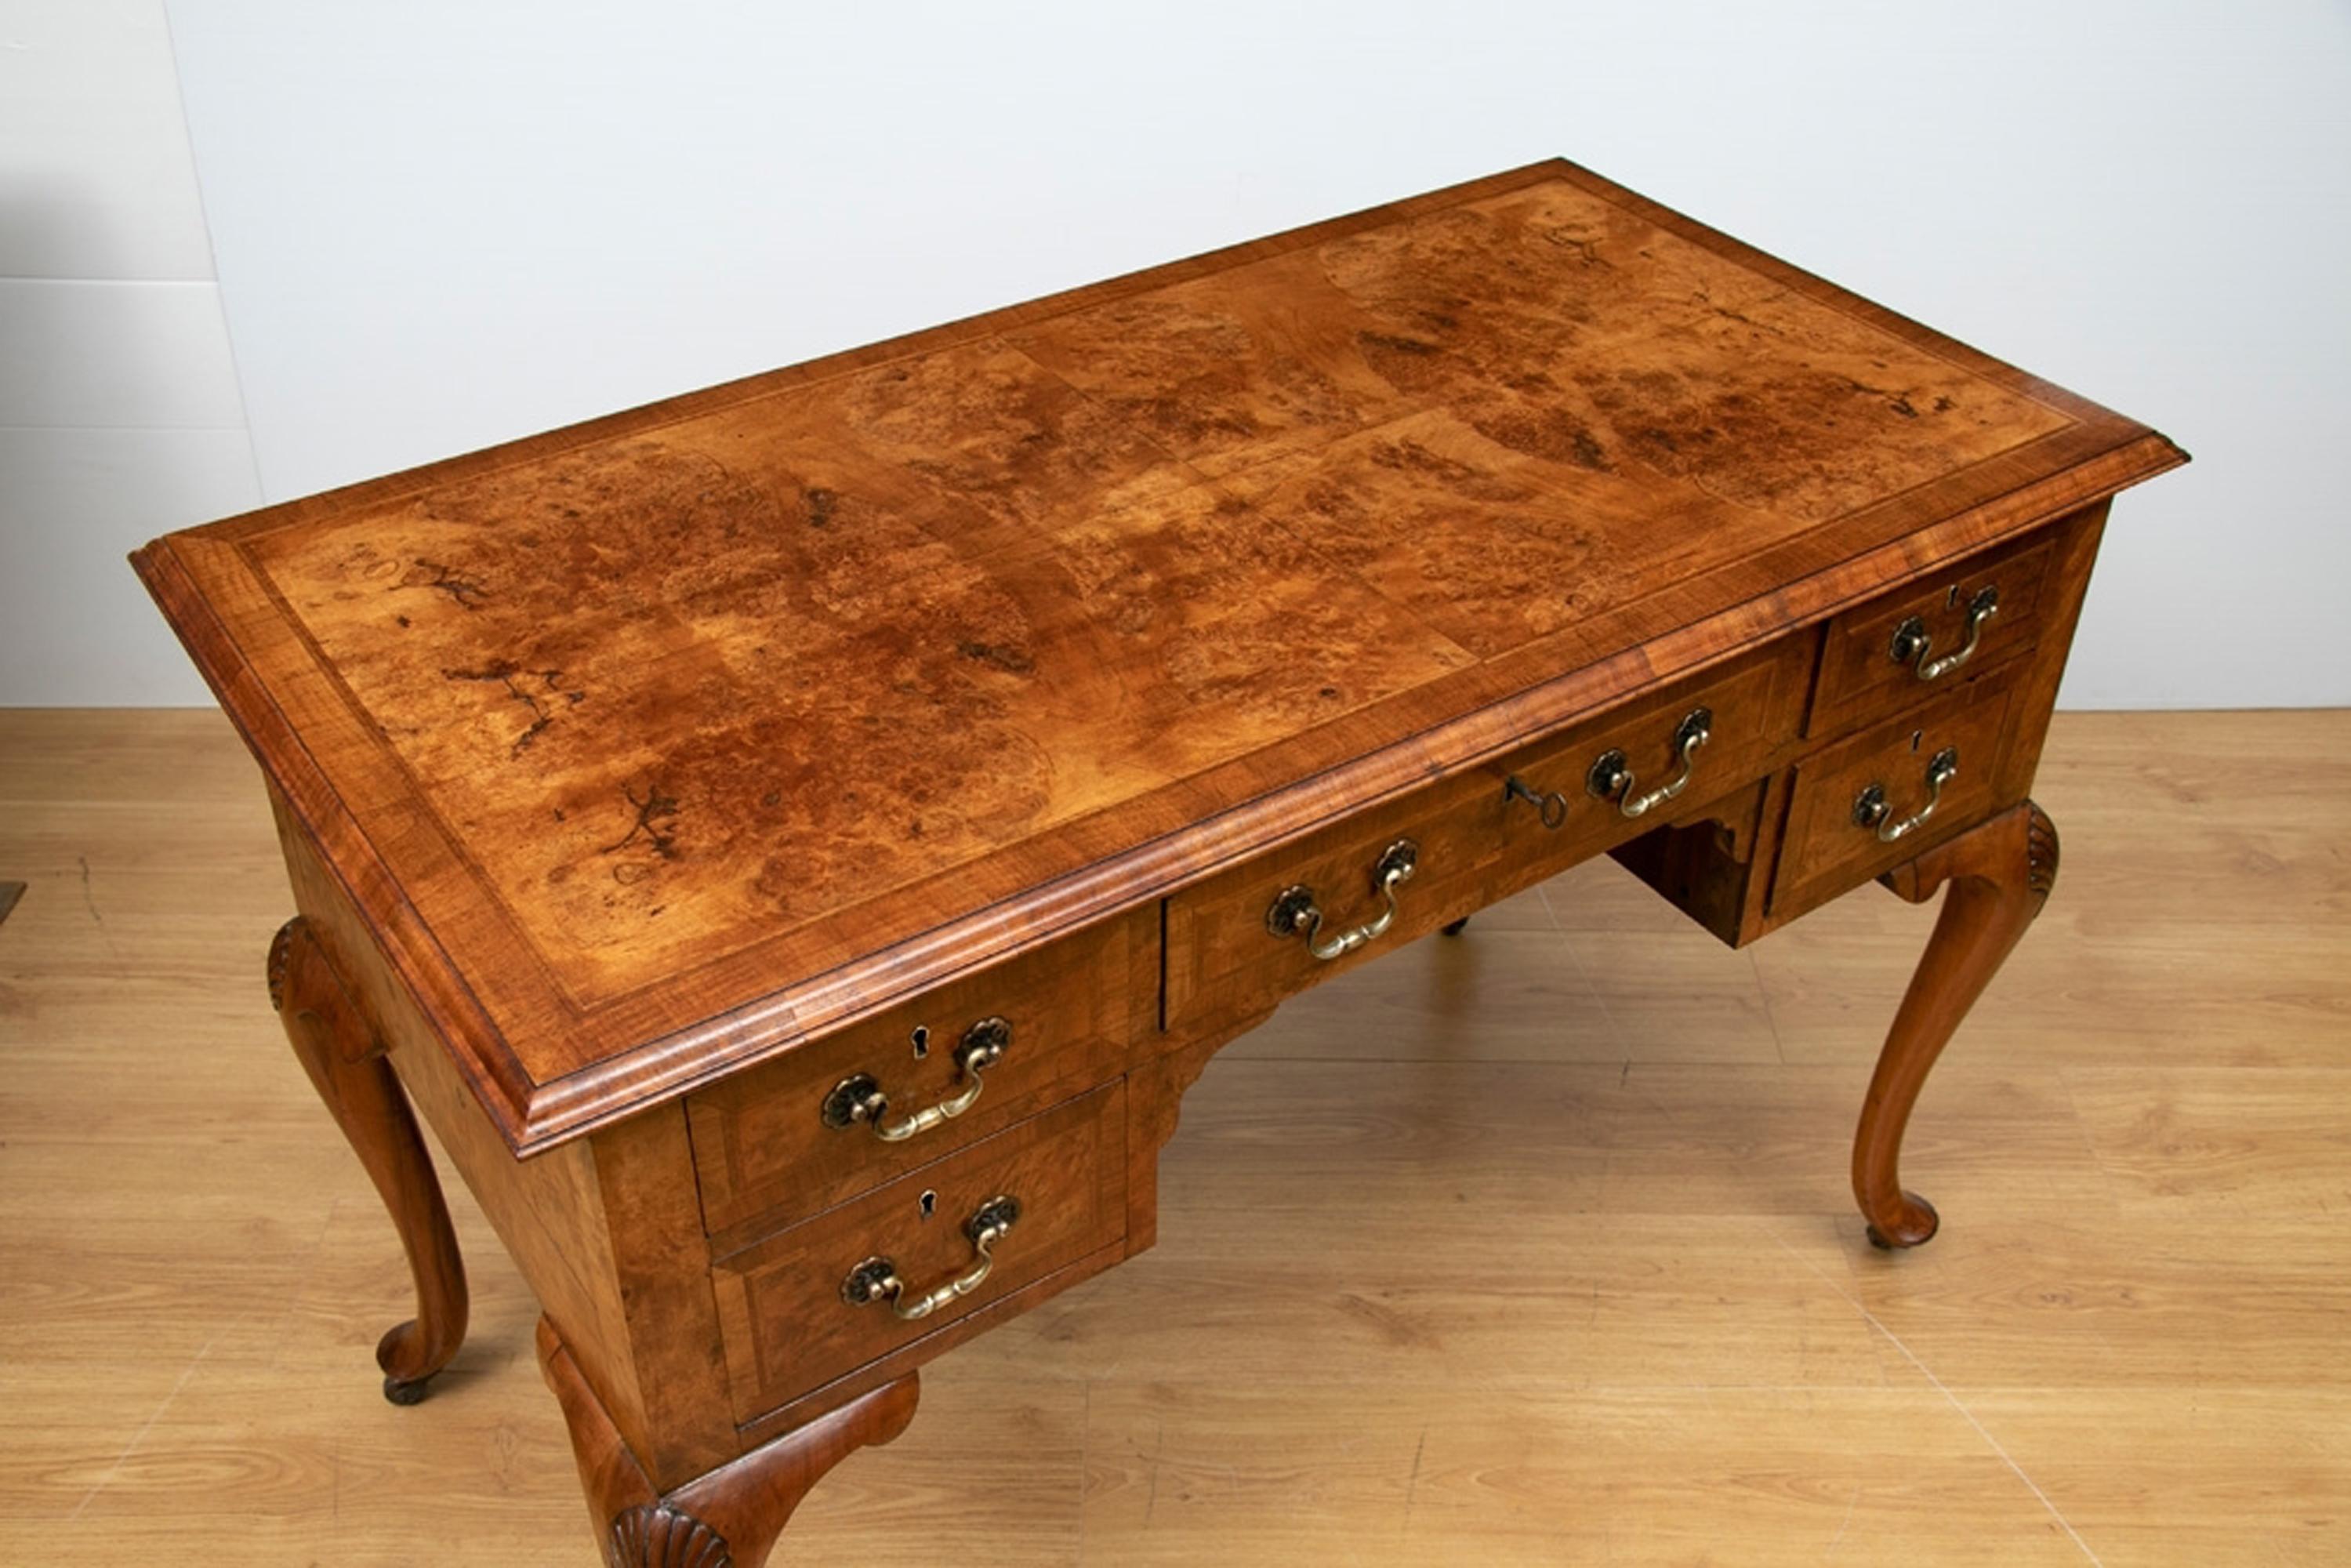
1935 633
1937 769
818 1300
803 1131
1475 838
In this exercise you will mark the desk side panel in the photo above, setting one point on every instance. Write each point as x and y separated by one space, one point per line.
571 1218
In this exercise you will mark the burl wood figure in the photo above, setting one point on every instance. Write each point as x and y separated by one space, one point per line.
797 842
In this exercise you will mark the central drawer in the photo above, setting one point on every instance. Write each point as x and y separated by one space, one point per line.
1239 943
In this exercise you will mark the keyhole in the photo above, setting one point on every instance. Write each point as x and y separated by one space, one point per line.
1952 597
929 1202
922 1038
1916 736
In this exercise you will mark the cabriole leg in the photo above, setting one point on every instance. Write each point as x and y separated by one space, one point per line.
346 1063
729 1517
1999 876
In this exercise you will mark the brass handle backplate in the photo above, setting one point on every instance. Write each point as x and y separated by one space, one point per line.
858 1098
1294 912
1912 641
1610 778
1870 809
876 1279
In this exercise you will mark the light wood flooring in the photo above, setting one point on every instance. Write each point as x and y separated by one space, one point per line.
2130 1344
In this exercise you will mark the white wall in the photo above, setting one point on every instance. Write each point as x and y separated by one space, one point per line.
439 224
118 410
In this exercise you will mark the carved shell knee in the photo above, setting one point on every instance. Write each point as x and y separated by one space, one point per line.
655 1535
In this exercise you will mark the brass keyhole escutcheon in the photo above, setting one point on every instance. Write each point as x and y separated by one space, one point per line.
860 1097
1550 805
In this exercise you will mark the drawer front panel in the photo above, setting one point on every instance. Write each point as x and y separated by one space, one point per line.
783 1314
774 1146
1883 656
1850 793
1475 841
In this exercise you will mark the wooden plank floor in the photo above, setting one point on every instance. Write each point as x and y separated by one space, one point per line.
2128 1346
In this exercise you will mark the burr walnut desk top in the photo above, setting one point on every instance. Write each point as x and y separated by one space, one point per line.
763 830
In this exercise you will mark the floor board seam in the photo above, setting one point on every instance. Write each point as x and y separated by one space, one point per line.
1964 1414
140 1437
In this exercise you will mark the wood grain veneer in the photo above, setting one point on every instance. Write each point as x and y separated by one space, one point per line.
788 1334
1097 628
670 800
1860 679
1075 1013
1475 842
1826 851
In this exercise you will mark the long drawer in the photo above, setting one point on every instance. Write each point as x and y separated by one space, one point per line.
1242 940
812 1304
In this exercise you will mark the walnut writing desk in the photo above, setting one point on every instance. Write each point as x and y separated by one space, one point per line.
797 842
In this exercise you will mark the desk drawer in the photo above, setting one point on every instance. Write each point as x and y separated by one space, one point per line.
1842 799
784 1308
1884 655
799 1134
1473 838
